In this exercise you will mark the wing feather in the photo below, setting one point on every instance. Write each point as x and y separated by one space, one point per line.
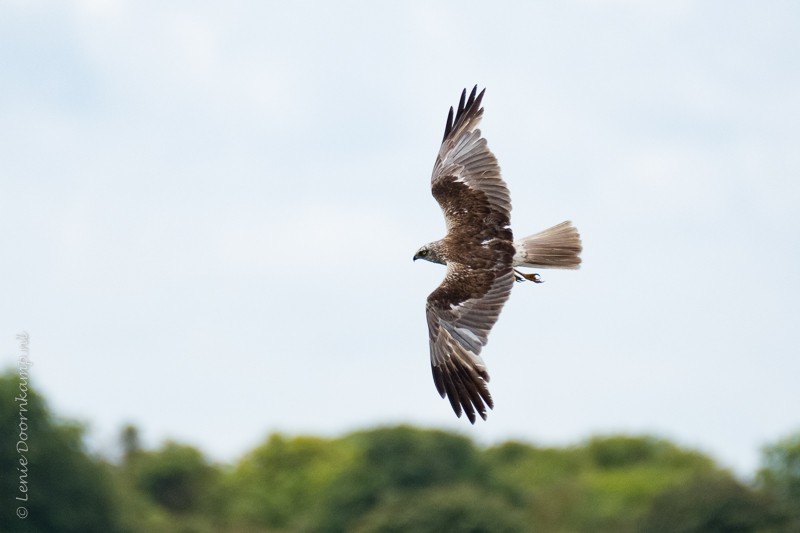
464 157
460 314
466 178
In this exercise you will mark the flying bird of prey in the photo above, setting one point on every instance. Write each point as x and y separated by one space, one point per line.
481 256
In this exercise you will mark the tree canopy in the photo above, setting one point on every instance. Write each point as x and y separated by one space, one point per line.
385 479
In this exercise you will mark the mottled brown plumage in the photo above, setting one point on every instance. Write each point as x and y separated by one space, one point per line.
480 254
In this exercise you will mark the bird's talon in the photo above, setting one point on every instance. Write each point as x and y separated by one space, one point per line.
521 276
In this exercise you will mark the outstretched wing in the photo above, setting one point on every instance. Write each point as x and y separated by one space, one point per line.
466 178
460 314
479 252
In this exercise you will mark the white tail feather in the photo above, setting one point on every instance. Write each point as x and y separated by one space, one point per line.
556 247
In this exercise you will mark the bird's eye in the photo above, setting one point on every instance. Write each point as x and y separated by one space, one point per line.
423 252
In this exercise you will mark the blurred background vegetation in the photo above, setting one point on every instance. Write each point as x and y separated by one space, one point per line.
388 479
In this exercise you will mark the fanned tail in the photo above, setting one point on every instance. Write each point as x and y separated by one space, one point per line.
556 247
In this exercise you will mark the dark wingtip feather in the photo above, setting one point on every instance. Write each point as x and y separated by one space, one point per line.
466 107
438 380
464 398
448 126
461 103
466 393
452 395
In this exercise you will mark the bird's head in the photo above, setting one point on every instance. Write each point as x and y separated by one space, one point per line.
431 252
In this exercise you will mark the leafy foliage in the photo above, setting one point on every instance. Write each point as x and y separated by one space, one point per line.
780 477
454 508
710 504
66 489
392 461
176 477
386 480
279 484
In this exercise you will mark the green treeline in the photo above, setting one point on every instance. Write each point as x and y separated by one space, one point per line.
391 479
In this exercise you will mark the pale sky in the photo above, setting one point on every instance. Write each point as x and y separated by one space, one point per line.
209 213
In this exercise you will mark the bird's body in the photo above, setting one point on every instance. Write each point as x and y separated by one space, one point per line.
481 255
